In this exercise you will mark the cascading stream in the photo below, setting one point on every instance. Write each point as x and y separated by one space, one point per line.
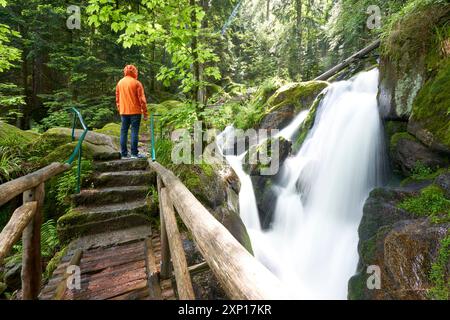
312 243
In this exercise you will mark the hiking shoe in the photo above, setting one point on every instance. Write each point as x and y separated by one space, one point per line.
125 158
139 156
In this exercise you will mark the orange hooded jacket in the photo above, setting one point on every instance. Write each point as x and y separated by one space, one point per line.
130 95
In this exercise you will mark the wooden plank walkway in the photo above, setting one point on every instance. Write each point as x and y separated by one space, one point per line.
118 259
117 272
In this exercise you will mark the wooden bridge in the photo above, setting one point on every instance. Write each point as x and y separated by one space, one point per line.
119 256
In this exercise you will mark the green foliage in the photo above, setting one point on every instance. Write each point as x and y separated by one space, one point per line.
53 263
176 25
430 202
163 151
347 28
10 100
182 117
66 184
8 54
439 276
49 243
411 29
252 112
10 165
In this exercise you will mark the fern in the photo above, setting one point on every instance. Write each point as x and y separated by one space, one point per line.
49 243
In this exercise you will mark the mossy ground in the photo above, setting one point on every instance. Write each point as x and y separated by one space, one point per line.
430 202
439 274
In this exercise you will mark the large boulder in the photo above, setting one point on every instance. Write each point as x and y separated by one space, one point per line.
430 114
215 189
12 135
56 145
401 233
405 253
400 82
410 57
407 153
288 101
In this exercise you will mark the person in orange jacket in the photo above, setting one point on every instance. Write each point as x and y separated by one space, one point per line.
132 105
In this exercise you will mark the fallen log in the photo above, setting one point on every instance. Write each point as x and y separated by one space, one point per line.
325 76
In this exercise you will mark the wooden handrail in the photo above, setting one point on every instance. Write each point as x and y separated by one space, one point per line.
12 189
240 274
182 275
27 221
12 232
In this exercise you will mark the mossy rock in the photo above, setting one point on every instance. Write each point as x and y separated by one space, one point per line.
431 111
308 124
56 145
12 135
54 263
408 153
263 151
301 95
111 129
411 52
210 189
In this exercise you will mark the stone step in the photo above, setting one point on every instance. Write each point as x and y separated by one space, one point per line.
107 156
83 221
124 178
121 165
105 196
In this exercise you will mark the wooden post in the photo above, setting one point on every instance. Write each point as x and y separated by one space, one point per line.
31 239
152 271
242 276
165 250
184 285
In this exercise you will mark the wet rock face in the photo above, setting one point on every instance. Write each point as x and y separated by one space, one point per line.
399 85
410 249
443 181
279 118
12 276
408 152
288 101
403 246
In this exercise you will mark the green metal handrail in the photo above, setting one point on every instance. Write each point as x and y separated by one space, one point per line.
79 148
152 133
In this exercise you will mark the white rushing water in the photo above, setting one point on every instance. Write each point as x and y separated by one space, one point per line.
312 243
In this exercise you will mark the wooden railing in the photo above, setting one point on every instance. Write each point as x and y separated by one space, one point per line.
240 274
26 222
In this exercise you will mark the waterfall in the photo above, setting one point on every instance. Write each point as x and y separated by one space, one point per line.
312 243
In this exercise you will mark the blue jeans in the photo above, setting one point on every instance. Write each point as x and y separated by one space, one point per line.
135 122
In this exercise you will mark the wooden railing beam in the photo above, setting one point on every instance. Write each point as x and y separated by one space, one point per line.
12 232
240 274
12 189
